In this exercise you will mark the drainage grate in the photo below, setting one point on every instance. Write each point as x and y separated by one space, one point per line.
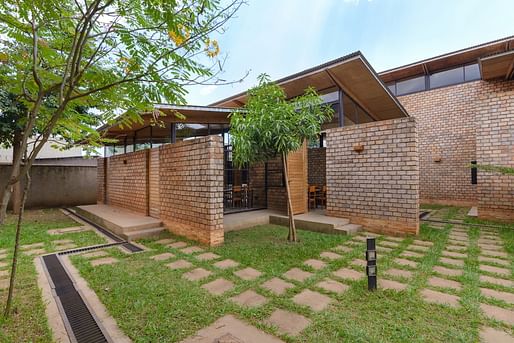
80 320
132 248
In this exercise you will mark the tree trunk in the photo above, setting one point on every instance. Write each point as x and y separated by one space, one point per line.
292 228
16 189
16 246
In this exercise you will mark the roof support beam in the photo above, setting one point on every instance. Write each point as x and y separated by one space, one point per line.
510 71
341 108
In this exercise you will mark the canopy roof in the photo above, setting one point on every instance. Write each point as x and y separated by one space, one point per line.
497 66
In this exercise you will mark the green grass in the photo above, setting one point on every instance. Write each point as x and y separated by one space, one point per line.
28 323
154 304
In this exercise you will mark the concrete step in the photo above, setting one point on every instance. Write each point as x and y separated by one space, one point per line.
145 233
351 229
323 224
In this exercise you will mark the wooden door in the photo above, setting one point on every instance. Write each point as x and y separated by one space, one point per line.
297 174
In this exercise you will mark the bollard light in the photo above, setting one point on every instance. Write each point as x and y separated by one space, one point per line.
371 263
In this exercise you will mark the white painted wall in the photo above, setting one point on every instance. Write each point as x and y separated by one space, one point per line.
46 152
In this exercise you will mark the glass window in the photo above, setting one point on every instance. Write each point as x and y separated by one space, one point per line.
471 72
335 118
189 131
410 86
392 87
447 77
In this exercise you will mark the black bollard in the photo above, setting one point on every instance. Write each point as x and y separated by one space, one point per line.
371 263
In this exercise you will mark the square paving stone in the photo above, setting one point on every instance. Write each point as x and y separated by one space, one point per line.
297 274
423 243
3 251
103 261
489 241
343 248
359 262
491 247
94 254
418 248
207 256
330 285
496 281
248 273
196 274
218 286
495 270
392 238
390 284
249 298
177 245
4 273
65 246
165 241
406 263
439 298
444 283
330 255
492 335
452 261
315 264
35 252
458 248
494 260
226 264
504 296
3 265
412 254
384 249
288 323
448 271
163 256
454 254
277 286
494 253
347 273
314 300
191 250
399 273
498 313
388 244
179 264
4 283
62 241
32 246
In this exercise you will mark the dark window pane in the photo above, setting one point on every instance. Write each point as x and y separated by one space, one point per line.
410 86
335 118
392 87
447 77
472 72
189 131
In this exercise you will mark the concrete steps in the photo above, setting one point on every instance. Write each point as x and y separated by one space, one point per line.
145 233
318 223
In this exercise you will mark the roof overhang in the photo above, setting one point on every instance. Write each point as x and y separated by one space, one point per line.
352 74
498 66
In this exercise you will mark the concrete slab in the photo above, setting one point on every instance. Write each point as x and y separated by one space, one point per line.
349 274
448 271
423 243
95 254
497 281
328 255
165 241
453 254
384 250
359 262
179 264
492 335
35 252
330 285
473 212
494 260
411 254
103 261
249 298
439 298
3 265
277 286
315 264
406 263
162 257
452 261
314 300
457 248
177 245
32 246
494 253
415 247
4 274
399 273
317 221
390 284
229 329
3 251
498 295
495 270
226 264
388 244
498 313
218 286
191 250
288 323
493 247
444 283
343 248
297 274
245 220
248 273
196 274
208 256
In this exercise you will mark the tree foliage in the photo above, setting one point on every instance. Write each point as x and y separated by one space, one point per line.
495 169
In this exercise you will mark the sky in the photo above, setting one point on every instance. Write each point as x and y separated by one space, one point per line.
282 37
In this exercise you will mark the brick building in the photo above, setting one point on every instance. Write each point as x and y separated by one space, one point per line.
398 138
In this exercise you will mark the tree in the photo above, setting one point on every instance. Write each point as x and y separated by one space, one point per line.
118 56
269 126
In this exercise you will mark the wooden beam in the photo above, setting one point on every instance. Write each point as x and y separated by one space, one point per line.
510 71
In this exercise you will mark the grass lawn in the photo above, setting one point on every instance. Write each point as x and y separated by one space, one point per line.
29 324
152 303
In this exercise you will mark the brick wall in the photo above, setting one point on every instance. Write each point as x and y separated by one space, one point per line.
258 184
495 146
378 187
127 181
446 125
100 180
154 184
316 164
191 188
277 197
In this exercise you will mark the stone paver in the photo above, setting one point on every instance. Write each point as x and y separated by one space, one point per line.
66 246
498 313
452 261
494 260
384 249
297 274
191 250
196 274
504 296
494 253
497 281
458 239
249 298
495 270
3 265
490 247
315 264
440 282
404 262
277 286
454 254
3 256
4 273
423 243
179 264
67 230
288 322
330 285
359 262
448 271
439 297
62 241
35 252
208 256
163 256
343 248
165 241
218 286
177 245
416 247
411 254
390 284
489 241
94 254
329 255
32 246
492 335
347 273
314 300
388 244
103 261
399 273
4 283
248 273
226 264
392 238
3 251
458 248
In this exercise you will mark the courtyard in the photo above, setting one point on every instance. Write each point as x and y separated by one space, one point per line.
454 283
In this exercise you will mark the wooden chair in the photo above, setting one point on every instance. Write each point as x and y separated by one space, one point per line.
322 197
312 197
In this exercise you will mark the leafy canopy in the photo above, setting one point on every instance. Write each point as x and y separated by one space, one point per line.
269 125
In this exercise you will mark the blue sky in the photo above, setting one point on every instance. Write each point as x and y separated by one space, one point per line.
281 37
